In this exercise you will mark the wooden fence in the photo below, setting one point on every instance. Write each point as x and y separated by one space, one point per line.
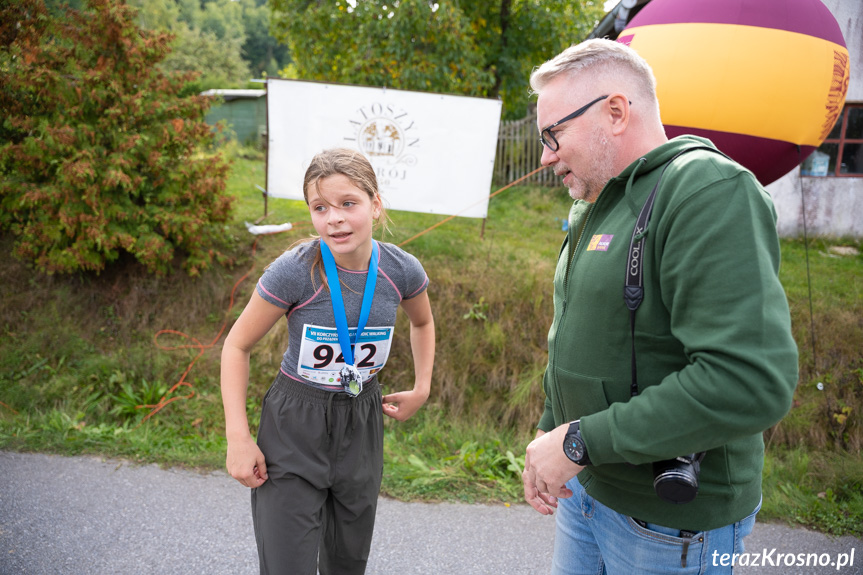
518 153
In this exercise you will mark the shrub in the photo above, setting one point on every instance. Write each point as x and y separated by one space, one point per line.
100 153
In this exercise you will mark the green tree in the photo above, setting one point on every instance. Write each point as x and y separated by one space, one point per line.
99 155
265 55
208 41
216 63
515 36
413 45
226 41
472 48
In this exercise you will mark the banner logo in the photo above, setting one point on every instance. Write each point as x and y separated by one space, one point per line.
381 137
388 136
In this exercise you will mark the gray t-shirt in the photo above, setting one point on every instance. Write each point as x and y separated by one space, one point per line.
314 355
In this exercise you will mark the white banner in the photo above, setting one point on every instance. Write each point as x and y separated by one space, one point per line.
432 153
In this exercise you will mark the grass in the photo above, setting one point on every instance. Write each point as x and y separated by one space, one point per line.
433 458
79 362
829 398
819 489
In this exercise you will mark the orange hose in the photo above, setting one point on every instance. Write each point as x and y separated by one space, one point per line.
493 194
164 401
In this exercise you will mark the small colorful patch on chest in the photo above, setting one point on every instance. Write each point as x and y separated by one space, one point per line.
599 243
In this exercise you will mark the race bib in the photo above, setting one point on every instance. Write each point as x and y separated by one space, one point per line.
321 359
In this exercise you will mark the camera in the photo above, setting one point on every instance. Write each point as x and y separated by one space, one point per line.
676 480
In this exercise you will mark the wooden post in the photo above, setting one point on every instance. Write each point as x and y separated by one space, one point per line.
265 194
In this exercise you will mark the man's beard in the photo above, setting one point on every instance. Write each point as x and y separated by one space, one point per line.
598 172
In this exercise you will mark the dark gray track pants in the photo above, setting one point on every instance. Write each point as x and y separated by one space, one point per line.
324 454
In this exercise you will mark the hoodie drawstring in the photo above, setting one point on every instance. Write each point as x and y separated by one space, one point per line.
328 419
328 414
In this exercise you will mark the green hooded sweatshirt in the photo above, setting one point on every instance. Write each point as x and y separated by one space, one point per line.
716 362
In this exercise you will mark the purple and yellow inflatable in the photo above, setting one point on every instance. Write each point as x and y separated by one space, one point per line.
757 77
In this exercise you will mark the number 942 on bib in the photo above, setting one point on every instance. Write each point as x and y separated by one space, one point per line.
321 357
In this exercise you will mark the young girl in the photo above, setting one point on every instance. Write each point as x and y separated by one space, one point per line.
316 469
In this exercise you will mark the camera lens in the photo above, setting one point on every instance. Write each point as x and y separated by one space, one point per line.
675 480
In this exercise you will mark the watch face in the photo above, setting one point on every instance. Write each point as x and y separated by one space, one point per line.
574 449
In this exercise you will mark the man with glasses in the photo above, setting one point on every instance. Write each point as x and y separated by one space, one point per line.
670 350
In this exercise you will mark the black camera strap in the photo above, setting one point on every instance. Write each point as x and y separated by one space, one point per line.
633 289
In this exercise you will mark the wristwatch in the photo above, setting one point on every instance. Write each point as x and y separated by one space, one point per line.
574 447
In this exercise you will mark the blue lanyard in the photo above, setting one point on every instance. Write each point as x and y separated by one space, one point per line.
345 340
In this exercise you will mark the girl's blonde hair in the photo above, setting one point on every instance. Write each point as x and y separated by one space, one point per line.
355 167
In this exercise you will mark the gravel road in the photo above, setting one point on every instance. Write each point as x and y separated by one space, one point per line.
88 515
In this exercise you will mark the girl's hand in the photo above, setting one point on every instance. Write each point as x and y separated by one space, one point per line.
403 404
245 463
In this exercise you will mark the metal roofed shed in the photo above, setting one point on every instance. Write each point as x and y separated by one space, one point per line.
244 111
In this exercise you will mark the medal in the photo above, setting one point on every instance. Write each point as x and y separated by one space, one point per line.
351 380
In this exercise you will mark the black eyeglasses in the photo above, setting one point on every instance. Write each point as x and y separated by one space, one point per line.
547 138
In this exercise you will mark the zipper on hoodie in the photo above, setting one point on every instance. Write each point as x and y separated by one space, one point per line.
572 256
566 287
565 290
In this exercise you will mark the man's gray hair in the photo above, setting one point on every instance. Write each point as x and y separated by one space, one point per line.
601 58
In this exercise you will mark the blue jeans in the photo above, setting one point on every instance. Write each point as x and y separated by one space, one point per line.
592 539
